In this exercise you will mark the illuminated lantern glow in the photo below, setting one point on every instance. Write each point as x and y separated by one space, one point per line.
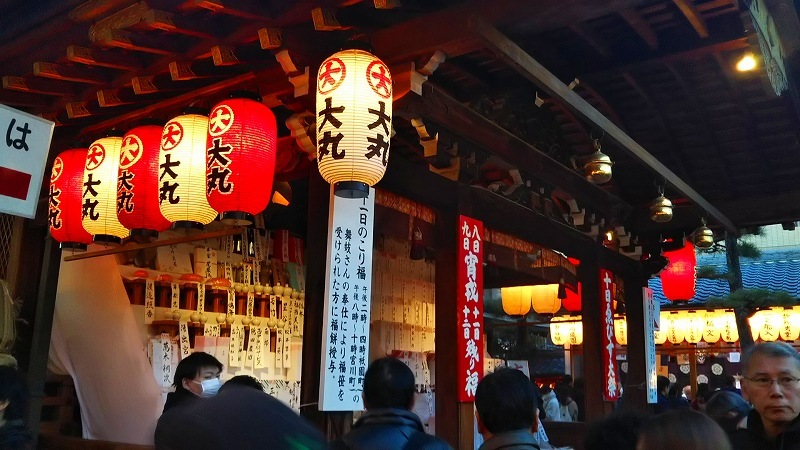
790 327
660 336
516 300
65 200
711 333
544 299
559 330
756 322
182 172
354 121
621 331
241 150
729 332
677 329
575 333
679 278
137 183
99 206
573 301
771 326
695 326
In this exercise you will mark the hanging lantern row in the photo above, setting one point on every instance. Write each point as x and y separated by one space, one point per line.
776 323
566 330
518 300
182 174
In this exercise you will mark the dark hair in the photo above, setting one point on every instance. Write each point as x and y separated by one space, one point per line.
505 401
563 391
729 381
727 409
684 429
190 366
703 392
243 380
675 391
618 431
770 350
388 383
566 379
13 390
662 383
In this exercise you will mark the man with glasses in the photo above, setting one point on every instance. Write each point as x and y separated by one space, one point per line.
772 385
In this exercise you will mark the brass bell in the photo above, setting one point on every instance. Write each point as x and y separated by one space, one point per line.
661 208
598 167
703 237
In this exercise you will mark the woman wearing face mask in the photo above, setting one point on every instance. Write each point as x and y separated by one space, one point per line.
197 375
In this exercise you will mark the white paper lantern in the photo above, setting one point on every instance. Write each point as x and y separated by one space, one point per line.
544 299
558 330
354 121
660 336
621 331
695 325
100 191
677 329
729 331
182 172
712 331
771 328
516 300
575 333
790 329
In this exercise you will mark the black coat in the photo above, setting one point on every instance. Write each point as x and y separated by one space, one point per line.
389 429
14 436
755 438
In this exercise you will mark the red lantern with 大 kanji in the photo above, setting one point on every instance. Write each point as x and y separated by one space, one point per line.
137 185
354 121
64 206
241 148
679 278
573 301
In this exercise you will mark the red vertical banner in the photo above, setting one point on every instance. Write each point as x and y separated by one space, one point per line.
470 307
610 375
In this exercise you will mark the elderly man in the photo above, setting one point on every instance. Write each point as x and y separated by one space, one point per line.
772 385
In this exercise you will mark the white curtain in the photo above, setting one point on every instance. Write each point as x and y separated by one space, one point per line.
95 339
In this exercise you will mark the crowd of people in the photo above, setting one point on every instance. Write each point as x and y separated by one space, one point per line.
511 413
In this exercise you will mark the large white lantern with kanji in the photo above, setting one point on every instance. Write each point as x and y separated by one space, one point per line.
182 172
100 191
354 121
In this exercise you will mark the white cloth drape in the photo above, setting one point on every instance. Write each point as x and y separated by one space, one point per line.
96 340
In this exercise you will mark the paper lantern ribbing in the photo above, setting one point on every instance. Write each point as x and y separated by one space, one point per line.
790 329
354 121
679 278
677 329
100 191
711 333
64 206
544 299
573 302
137 183
729 331
660 336
575 332
559 330
241 149
621 331
182 172
695 326
516 300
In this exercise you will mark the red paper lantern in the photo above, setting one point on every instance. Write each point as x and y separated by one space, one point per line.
242 143
64 208
573 301
678 279
137 185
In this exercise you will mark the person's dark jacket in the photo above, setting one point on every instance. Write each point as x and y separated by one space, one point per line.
511 440
239 417
178 397
389 429
15 436
755 438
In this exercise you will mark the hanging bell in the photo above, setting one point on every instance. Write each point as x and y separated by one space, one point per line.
661 208
703 237
598 167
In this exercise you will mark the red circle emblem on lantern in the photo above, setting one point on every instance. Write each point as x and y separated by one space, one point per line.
241 150
379 79
65 213
331 76
678 279
95 157
573 302
172 135
137 184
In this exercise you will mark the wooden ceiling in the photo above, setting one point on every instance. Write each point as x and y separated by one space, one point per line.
660 70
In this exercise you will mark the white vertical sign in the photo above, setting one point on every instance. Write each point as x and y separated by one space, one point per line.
652 314
348 287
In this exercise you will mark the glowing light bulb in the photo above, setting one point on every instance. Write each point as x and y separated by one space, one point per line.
747 63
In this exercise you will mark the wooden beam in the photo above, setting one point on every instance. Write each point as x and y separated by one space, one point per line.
166 21
200 68
69 73
162 83
439 107
119 20
246 9
140 43
23 99
125 96
640 26
596 42
39 86
535 72
694 16
92 10
109 58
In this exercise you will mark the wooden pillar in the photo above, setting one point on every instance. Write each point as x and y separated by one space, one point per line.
334 425
454 420
42 327
635 384
593 329
693 369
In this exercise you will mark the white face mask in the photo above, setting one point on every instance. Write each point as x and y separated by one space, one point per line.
210 387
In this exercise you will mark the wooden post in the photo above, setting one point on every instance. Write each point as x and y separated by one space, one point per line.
693 369
334 424
635 385
42 327
593 329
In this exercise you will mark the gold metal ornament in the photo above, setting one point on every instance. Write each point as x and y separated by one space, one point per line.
661 208
703 237
598 167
